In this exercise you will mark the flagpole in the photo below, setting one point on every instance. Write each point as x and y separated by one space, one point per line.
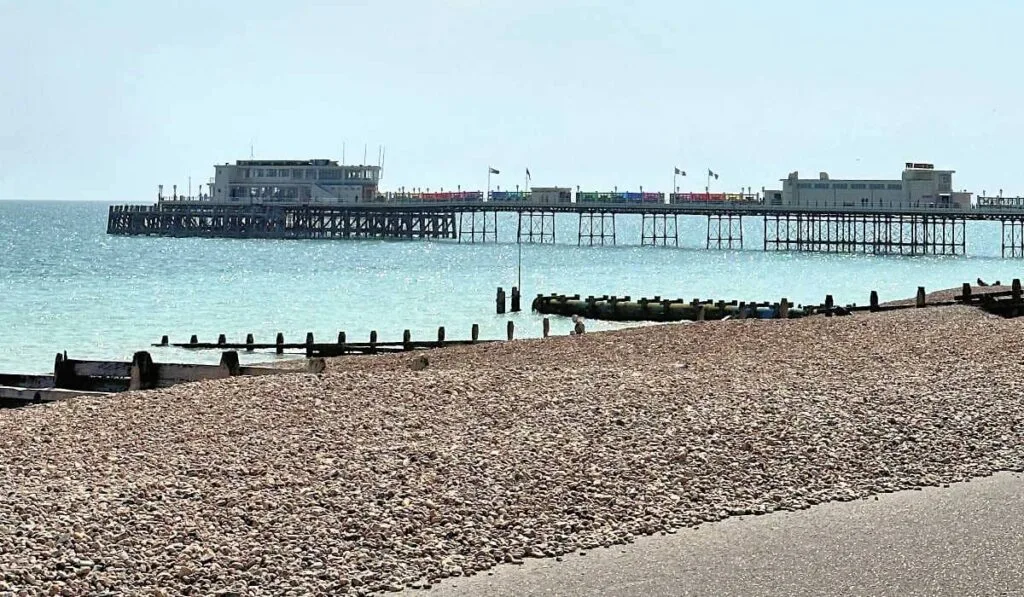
488 183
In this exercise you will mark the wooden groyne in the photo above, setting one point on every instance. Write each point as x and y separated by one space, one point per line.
76 377
615 308
311 348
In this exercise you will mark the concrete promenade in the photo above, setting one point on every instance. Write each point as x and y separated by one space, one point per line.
965 540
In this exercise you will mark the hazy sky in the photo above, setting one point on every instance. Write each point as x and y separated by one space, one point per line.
103 100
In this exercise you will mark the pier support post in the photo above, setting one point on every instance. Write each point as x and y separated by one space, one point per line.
500 301
474 333
280 343
920 302
515 299
511 329
546 327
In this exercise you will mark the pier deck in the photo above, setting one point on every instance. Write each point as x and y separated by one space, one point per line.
913 230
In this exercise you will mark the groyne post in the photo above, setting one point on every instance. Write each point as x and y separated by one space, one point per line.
500 301
511 329
373 341
920 302
1015 291
143 372
700 313
406 340
440 336
341 337
222 340
194 339
280 343
515 299
249 341
229 361
829 303
164 340
873 301
966 291
546 326
309 344
474 333
784 308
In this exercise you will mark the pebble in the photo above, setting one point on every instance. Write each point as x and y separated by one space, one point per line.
370 477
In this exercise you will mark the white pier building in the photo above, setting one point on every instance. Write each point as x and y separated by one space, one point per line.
920 186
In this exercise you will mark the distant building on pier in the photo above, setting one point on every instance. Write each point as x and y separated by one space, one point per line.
287 182
920 186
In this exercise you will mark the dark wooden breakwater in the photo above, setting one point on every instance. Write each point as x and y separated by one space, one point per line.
912 230
77 377
1006 303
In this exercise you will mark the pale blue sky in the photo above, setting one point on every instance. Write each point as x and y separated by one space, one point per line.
104 100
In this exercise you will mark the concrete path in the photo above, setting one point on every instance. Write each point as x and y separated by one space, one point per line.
966 540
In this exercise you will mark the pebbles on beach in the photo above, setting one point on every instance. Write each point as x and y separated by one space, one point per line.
378 475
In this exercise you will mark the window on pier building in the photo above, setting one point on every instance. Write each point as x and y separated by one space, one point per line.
821 185
803 185
858 185
895 187
296 173
839 185
877 186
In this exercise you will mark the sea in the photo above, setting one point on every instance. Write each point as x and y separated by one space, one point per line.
67 286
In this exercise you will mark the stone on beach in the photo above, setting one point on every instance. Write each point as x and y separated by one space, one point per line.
372 476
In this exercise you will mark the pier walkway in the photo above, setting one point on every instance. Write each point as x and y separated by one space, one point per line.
907 230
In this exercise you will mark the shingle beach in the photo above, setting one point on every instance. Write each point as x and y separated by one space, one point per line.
372 476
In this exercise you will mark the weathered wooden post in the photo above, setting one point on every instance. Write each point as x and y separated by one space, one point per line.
194 339
510 329
280 343
341 337
873 301
440 336
965 292
920 302
249 341
784 308
546 327
1015 291
309 344
474 333
222 340
500 301
700 313
828 305
373 341
229 361
406 340
164 340
515 299
143 372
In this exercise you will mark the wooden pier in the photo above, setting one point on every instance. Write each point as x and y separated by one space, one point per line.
922 230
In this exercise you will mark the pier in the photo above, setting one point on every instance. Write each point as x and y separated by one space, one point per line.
924 230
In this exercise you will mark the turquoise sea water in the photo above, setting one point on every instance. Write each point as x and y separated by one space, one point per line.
66 285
